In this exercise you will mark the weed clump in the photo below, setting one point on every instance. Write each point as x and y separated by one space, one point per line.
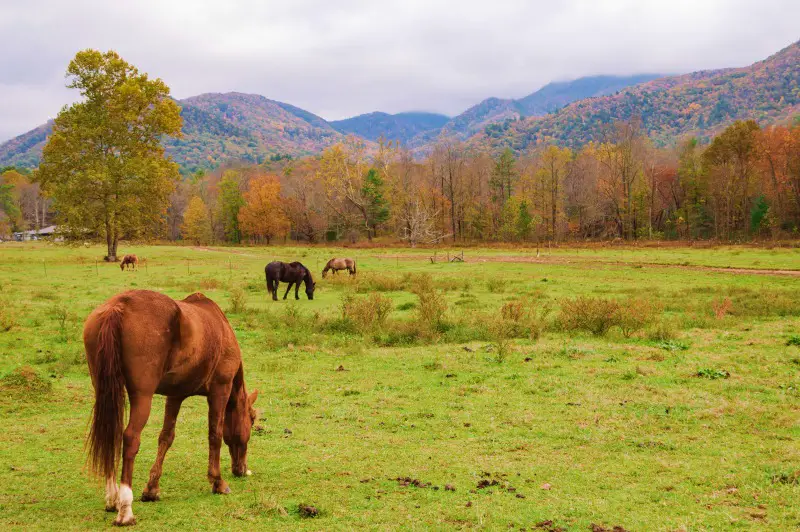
431 305
593 314
24 382
366 313
238 300
636 314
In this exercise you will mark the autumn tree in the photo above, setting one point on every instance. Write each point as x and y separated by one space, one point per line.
230 202
196 223
504 175
730 160
262 216
104 163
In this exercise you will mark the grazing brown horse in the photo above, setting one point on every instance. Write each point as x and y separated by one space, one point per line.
145 343
293 273
129 260
340 264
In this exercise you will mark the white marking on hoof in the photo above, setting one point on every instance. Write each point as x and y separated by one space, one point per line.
112 495
125 516
249 473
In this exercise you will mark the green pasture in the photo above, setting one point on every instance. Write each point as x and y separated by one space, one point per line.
692 422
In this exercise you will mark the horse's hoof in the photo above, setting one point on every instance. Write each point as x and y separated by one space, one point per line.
129 522
112 508
151 496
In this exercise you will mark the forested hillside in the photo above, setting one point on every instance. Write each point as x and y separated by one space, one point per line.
701 104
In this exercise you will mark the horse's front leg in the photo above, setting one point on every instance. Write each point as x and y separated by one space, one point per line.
296 290
131 438
217 400
289 287
165 439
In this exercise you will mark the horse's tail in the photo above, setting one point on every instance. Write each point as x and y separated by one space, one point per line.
269 284
108 416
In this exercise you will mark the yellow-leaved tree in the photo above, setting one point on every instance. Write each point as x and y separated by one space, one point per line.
196 223
263 216
104 164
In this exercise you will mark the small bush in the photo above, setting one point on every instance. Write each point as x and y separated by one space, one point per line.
662 331
496 285
366 313
238 300
378 282
502 332
431 305
63 316
592 314
721 307
8 317
635 314
292 315
25 381
513 311
209 284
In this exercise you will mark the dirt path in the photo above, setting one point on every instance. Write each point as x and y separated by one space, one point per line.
579 260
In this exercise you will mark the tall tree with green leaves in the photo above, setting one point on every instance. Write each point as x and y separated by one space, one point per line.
524 221
377 208
231 201
503 176
104 164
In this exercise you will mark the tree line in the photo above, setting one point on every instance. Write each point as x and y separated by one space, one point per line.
744 184
104 174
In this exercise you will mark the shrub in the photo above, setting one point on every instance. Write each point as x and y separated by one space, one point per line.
366 313
8 317
793 340
513 311
376 282
209 284
502 332
292 315
496 285
635 314
663 331
408 305
238 299
722 307
431 304
25 381
592 314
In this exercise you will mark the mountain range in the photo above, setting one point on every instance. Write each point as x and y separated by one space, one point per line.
229 127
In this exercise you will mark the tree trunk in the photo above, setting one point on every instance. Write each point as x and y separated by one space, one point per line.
111 243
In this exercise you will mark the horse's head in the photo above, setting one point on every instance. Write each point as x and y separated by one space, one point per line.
239 418
310 289
122 264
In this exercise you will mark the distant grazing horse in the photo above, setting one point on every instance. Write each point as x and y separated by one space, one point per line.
340 264
145 343
293 273
129 260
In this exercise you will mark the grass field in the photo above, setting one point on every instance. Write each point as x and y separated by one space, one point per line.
691 421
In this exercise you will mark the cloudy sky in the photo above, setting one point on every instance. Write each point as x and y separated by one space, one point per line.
338 58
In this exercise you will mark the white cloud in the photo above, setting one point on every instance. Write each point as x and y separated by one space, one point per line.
347 57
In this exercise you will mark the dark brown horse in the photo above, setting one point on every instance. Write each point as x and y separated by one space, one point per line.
340 264
129 260
293 273
145 343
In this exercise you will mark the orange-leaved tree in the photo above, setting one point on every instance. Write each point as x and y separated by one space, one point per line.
263 216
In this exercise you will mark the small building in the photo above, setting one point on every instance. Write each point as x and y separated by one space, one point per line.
45 232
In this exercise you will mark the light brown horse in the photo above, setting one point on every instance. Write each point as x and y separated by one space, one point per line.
129 260
145 343
340 264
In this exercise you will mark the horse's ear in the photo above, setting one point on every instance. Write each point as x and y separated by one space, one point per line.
252 398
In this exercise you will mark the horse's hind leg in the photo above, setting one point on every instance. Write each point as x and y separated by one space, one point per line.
112 494
131 438
217 399
165 439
